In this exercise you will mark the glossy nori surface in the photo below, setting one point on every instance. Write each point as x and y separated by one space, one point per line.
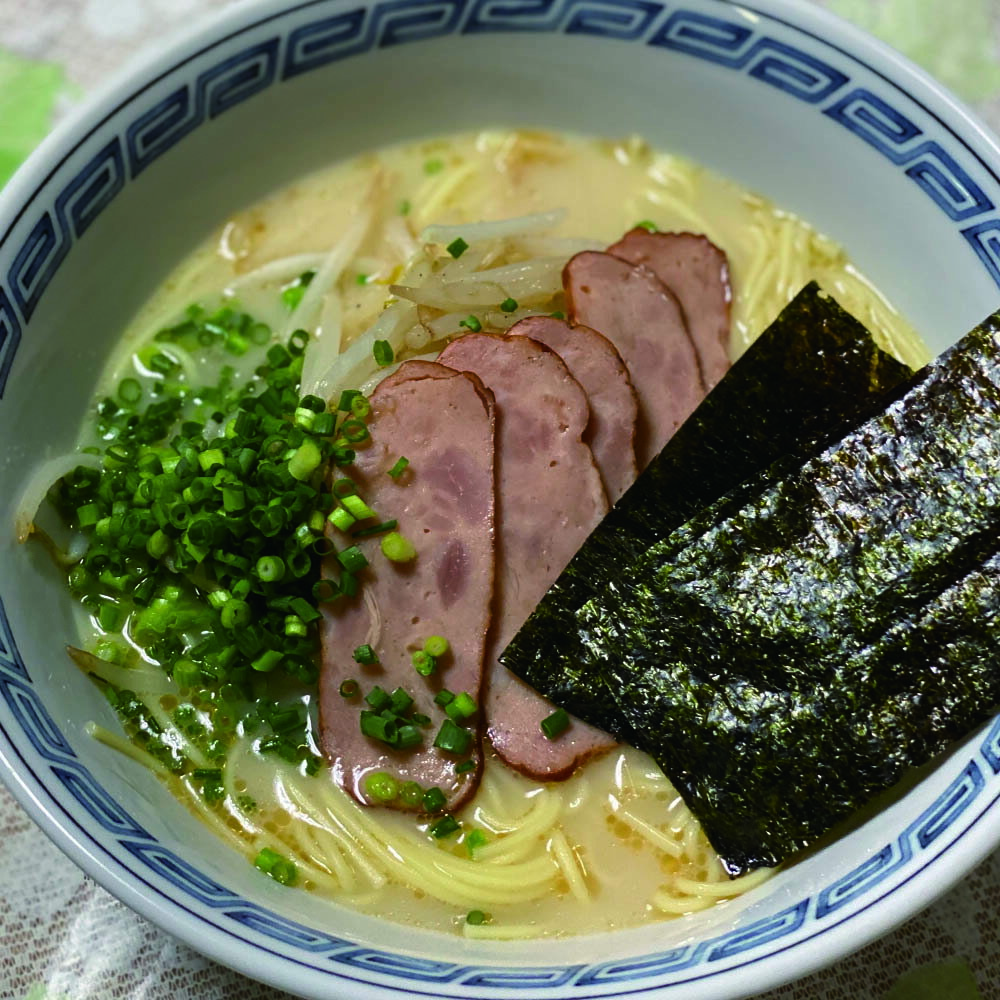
791 651
811 373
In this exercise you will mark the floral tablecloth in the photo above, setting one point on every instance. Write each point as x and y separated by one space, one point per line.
62 937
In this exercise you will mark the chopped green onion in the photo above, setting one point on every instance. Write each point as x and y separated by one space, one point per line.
508 305
555 724
443 697
453 738
187 673
457 247
375 529
558 314
411 794
349 395
399 468
475 839
278 867
354 430
294 625
361 279
378 727
436 646
378 698
462 706
306 460
647 225
381 786
365 654
400 701
270 569
408 737
357 507
235 614
477 917
352 559
434 166
423 663
267 661
397 548
342 518
463 767
383 353
433 800
324 424
444 827
471 323
130 391
349 688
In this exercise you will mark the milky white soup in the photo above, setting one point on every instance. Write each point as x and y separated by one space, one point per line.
614 846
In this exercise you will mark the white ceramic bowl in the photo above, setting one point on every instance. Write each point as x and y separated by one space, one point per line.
778 95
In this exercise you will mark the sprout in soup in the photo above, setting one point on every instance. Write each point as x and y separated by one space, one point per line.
339 458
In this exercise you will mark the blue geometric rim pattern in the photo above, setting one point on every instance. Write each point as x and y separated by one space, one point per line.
734 45
354 30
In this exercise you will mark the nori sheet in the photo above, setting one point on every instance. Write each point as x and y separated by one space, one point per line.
811 374
790 652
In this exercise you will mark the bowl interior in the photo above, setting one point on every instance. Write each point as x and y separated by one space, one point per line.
789 102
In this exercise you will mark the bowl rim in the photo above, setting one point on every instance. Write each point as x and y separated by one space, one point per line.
166 57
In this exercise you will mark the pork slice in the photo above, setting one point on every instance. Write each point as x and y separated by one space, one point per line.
697 272
593 361
644 320
549 499
442 421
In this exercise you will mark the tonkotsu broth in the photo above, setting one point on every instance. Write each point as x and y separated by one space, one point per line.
614 845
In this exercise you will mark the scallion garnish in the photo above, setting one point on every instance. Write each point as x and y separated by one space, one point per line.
397 548
399 467
453 738
433 800
556 724
457 247
436 646
383 354
444 827
471 323
475 839
381 786
277 866
365 654
423 663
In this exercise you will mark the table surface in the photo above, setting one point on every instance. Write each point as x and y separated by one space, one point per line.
64 937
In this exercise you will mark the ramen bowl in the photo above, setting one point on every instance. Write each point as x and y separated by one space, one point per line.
778 95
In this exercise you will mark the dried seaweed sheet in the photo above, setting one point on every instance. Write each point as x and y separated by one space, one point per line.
788 653
815 370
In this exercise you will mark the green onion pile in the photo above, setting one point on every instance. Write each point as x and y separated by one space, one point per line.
205 537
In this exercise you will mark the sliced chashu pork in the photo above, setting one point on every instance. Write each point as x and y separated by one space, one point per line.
549 498
640 315
595 363
442 421
697 272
